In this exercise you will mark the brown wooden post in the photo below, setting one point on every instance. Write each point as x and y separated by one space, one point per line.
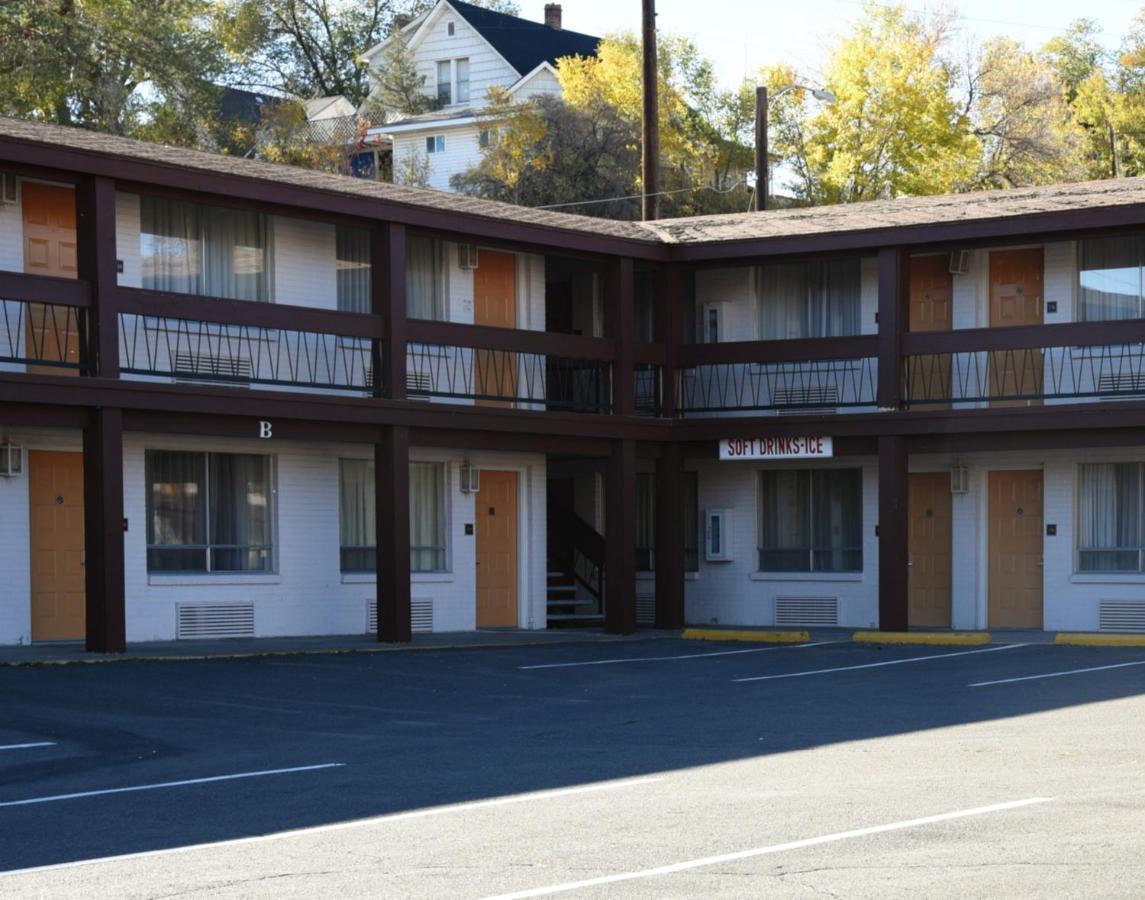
388 300
893 534
620 531
103 531
894 291
671 288
391 517
620 306
96 264
670 537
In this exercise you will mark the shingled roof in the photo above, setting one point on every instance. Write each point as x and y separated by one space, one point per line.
524 44
872 216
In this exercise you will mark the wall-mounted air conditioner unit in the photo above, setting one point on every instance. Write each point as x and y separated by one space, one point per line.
470 478
959 479
717 536
8 189
467 256
960 262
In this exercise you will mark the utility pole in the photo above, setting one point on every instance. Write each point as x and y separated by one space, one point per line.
650 169
760 148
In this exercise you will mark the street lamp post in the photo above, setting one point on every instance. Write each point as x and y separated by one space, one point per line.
761 110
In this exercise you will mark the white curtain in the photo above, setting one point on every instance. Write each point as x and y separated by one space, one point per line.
425 296
1108 517
356 516
177 511
353 273
1109 278
784 524
691 522
427 516
810 299
239 512
195 249
836 520
645 521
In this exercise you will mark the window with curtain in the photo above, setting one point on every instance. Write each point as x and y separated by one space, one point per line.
1109 513
691 522
353 269
425 278
208 512
1110 277
462 75
809 299
356 511
190 248
444 83
811 520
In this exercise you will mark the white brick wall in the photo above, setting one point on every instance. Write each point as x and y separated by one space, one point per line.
127 228
734 593
11 238
308 594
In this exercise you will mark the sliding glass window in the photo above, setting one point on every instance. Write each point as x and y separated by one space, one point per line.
811 520
1110 277
208 512
1110 512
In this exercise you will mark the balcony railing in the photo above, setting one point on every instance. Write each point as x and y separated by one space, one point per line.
498 366
1022 366
785 377
43 324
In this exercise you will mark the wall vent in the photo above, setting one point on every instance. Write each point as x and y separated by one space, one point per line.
817 611
1113 386
209 366
419 383
421 615
204 621
1121 615
818 398
645 608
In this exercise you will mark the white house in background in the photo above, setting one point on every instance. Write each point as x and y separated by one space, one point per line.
462 51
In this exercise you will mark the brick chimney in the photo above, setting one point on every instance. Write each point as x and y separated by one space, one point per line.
553 15
401 20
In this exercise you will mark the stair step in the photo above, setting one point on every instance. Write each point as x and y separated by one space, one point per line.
562 588
556 601
576 617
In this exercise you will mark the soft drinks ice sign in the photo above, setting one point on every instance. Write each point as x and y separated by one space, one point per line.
801 447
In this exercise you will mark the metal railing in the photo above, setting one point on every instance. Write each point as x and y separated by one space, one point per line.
813 385
43 335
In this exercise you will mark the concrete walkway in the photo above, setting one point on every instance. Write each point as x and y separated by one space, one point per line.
235 648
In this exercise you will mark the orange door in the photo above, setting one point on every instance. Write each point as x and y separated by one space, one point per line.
55 497
1015 555
497 550
929 548
50 249
931 303
1016 299
495 303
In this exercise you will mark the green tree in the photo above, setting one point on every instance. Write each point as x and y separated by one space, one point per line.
1075 54
111 65
399 90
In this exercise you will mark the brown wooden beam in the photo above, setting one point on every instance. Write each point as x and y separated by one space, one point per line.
96 264
1018 337
894 294
620 325
486 337
725 353
388 300
670 537
620 531
894 556
103 531
44 289
391 501
246 312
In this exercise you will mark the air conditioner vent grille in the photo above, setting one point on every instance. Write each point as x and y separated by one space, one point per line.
204 621
1122 615
421 615
645 609
799 399
805 611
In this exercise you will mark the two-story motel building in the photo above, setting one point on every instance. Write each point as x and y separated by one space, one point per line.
238 399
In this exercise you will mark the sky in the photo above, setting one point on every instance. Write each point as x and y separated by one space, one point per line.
739 36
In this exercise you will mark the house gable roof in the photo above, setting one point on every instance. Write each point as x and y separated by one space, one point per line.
524 44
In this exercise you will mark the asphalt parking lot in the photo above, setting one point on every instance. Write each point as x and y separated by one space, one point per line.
660 768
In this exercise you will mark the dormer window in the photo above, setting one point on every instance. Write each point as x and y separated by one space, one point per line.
452 81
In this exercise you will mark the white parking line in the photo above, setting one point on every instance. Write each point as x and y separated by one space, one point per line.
169 784
1057 674
612 662
27 746
355 823
766 851
891 662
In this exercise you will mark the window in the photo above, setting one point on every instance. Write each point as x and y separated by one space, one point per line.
435 143
194 249
809 299
811 520
353 269
444 82
1109 512
461 77
449 29
425 278
1110 276
208 512
358 535
484 138
646 522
